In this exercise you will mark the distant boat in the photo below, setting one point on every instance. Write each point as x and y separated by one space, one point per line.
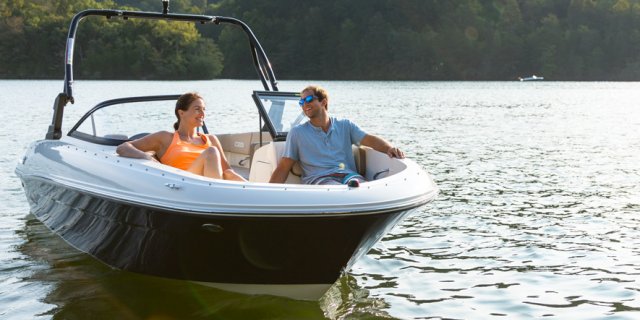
532 78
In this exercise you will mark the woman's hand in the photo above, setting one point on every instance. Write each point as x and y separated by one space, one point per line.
150 155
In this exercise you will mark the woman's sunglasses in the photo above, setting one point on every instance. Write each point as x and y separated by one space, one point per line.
306 99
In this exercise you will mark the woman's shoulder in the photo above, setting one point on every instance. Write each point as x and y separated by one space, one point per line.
164 137
156 141
162 134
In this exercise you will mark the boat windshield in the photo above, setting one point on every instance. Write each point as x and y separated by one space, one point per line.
115 121
280 111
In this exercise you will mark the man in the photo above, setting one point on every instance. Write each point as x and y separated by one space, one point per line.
323 145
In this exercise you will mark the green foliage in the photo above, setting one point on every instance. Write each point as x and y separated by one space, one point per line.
145 49
33 34
333 39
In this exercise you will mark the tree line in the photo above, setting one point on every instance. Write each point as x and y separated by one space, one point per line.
331 39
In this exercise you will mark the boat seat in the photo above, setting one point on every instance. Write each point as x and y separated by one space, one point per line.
240 147
237 148
264 163
266 158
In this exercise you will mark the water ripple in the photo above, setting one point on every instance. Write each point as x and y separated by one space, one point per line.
538 214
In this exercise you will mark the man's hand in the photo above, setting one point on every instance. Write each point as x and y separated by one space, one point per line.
394 152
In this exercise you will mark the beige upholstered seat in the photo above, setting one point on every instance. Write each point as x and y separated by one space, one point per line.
266 159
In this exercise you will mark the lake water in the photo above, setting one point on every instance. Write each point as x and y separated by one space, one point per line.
538 215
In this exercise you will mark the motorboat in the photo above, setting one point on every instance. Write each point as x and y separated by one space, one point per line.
531 78
290 239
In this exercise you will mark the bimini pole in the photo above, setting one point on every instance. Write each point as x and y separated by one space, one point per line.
165 6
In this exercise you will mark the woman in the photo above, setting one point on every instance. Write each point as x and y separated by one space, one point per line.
185 148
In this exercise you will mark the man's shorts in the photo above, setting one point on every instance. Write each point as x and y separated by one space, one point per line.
338 178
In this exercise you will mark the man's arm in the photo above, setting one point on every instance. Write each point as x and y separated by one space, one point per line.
282 171
379 144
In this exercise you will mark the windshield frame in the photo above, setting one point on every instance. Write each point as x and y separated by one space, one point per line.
266 115
111 141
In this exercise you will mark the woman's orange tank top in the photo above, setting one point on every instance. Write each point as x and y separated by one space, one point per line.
181 154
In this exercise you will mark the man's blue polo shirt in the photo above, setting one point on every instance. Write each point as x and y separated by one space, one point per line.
321 153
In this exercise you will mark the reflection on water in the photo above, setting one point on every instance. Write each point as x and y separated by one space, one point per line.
83 288
346 300
80 287
19 297
538 215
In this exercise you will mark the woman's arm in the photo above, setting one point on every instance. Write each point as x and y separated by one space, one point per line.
129 151
144 147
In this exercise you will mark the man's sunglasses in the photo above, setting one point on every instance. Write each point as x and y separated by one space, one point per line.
306 99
